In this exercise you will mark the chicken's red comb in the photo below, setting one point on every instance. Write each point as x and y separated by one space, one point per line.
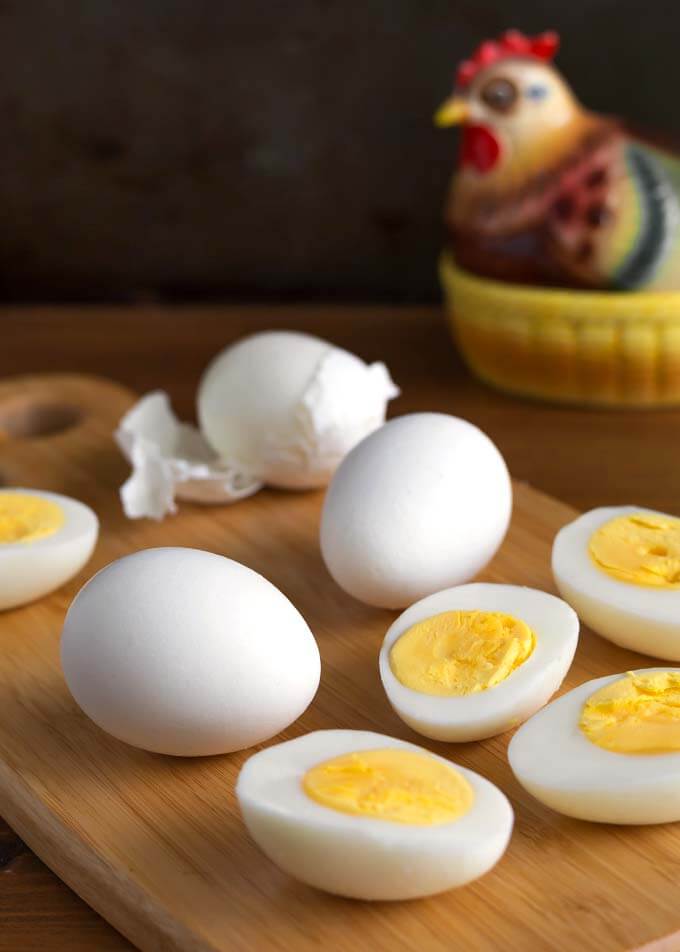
511 43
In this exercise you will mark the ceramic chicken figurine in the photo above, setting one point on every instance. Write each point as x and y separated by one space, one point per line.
548 192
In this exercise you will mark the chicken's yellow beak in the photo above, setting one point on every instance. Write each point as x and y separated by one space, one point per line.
452 112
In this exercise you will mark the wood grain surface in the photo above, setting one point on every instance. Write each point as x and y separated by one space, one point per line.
588 458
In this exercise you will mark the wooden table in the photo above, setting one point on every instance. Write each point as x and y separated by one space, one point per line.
586 458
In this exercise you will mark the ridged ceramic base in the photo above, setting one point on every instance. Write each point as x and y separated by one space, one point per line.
587 347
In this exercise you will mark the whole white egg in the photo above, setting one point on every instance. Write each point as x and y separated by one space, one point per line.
45 539
287 407
641 617
466 675
559 764
185 652
420 505
394 822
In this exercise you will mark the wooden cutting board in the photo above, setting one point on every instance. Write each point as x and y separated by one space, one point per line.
156 845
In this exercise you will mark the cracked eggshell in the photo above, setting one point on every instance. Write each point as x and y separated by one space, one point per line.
172 460
181 651
418 506
287 407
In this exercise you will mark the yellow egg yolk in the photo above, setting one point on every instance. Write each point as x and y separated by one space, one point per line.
637 714
643 549
460 652
25 518
398 785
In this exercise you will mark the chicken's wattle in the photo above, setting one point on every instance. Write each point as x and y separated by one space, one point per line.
479 147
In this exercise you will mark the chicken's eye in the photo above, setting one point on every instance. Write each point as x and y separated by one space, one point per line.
499 94
536 91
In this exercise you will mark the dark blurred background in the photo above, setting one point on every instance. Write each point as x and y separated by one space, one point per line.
198 148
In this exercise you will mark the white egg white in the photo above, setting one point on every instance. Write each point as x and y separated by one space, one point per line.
421 504
30 570
497 709
287 407
554 760
633 616
362 857
181 651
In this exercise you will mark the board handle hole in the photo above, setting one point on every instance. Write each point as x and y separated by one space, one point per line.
31 418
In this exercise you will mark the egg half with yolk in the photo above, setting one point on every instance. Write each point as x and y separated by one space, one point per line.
372 817
473 661
619 567
607 751
45 539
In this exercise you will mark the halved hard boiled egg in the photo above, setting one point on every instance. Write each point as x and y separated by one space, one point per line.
619 567
45 539
475 660
372 817
607 751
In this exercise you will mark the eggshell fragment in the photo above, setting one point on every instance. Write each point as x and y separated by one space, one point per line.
171 459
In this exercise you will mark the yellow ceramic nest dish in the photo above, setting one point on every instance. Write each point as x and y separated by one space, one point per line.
587 347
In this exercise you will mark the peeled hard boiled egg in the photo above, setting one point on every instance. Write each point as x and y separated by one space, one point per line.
619 567
607 751
371 817
185 652
421 504
45 539
286 407
474 661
